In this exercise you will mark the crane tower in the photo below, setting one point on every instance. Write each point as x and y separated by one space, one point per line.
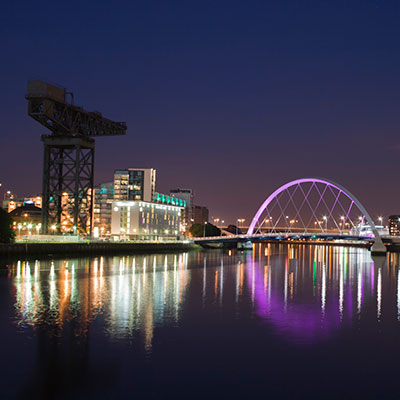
68 166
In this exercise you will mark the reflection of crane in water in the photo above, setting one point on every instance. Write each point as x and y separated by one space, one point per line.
63 366
132 293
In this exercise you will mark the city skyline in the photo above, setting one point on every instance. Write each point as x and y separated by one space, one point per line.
230 102
199 199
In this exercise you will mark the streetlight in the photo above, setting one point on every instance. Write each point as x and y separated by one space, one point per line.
326 222
19 229
53 227
342 218
380 220
239 220
204 229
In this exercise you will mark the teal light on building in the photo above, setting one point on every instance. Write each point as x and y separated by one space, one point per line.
169 200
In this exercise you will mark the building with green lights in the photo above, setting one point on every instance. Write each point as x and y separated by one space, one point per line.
169 200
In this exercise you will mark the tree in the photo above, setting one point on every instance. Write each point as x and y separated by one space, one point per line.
7 233
197 230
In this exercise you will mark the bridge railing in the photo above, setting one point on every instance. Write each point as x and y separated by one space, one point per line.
283 235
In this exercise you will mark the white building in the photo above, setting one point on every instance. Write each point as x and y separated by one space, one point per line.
144 220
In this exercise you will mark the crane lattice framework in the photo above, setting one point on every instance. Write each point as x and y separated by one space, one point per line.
68 166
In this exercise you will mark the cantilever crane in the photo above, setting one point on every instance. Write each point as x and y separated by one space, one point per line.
68 167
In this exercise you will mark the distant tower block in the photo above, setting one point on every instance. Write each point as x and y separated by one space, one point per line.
68 166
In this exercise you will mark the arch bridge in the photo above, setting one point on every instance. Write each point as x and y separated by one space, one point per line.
310 208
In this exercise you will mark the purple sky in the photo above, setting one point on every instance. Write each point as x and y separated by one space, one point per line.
231 99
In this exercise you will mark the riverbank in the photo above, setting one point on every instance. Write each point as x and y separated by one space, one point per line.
90 248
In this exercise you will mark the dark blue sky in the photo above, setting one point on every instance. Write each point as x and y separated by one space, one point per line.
230 98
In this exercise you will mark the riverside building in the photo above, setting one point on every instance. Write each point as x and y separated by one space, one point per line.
200 215
394 225
134 184
11 201
103 198
187 196
145 220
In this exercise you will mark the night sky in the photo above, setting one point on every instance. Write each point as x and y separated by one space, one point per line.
230 98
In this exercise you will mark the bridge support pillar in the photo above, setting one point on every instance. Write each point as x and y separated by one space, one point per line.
378 247
245 245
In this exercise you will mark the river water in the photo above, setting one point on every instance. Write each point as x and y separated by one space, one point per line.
281 321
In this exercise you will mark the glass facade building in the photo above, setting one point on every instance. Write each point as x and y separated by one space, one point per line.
134 184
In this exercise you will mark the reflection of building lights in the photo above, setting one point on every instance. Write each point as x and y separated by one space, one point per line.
136 301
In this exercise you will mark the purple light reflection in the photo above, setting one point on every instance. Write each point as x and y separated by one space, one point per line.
298 319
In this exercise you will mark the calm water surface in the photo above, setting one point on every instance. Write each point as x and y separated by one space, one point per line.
280 321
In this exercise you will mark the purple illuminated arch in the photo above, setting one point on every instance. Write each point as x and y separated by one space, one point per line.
378 241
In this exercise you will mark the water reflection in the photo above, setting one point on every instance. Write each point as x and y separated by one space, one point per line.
133 294
306 293
91 325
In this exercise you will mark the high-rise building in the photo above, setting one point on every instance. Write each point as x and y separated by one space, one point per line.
103 198
394 225
200 215
134 184
187 196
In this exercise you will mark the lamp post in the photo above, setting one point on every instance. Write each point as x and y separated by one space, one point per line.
238 221
380 220
204 229
326 222
342 218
